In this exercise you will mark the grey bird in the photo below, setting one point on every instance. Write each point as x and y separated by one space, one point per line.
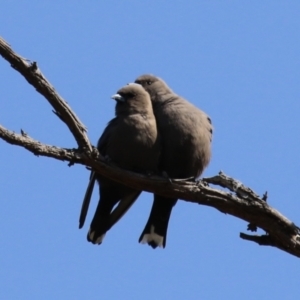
186 134
131 142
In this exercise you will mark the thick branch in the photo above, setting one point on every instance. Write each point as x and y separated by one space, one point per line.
34 76
247 206
240 202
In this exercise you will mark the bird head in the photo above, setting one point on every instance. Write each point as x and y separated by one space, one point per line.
132 98
153 85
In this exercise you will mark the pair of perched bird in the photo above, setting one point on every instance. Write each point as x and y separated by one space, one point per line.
154 131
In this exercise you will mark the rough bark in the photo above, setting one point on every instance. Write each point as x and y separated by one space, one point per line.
237 200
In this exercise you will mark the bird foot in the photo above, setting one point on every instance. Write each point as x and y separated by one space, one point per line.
184 179
165 175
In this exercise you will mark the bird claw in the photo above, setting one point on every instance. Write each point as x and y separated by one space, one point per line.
150 173
201 182
165 175
184 179
107 159
171 180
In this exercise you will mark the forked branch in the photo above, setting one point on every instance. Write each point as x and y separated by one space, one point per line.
237 200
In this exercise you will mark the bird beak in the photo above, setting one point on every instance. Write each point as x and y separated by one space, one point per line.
133 83
118 97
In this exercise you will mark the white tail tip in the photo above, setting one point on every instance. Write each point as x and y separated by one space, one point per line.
98 240
153 237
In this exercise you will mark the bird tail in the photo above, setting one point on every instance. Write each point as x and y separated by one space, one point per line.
104 219
87 199
122 208
155 231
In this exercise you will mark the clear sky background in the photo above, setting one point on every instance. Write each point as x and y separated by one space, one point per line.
239 61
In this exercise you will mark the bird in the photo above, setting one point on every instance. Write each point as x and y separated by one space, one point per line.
130 141
186 135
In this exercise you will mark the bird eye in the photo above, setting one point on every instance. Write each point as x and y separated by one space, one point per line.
149 82
130 95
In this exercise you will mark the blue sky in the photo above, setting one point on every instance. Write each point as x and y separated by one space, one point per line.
237 60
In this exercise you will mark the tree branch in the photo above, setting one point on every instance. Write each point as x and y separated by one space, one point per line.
239 201
38 148
61 108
